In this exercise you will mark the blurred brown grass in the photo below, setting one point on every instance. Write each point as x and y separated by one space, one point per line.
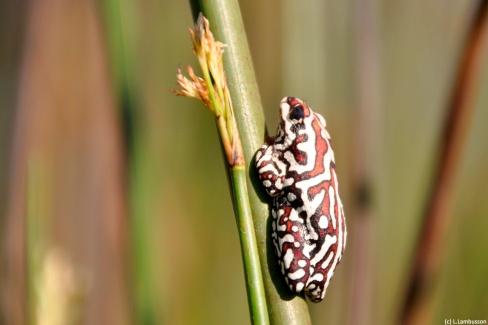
96 197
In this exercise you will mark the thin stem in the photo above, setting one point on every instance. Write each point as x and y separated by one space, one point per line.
211 91
209 52
250 256
225 15
221 124
119 21
428 253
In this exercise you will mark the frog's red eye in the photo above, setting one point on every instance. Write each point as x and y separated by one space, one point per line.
296 112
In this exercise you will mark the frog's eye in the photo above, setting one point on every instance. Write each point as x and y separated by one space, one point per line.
296 112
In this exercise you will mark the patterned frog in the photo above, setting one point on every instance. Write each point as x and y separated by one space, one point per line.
297 169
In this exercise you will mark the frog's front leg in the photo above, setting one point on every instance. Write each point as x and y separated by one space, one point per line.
271 169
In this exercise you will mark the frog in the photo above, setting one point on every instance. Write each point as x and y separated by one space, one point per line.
297 170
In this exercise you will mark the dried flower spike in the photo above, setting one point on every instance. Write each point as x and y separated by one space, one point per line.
212 89
194 88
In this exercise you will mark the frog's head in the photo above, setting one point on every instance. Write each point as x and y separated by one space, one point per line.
295 115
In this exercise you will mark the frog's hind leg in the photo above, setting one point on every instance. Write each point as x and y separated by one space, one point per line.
290 238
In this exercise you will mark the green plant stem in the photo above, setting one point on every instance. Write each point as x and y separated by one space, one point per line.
227 25
250 256
211 91
119 21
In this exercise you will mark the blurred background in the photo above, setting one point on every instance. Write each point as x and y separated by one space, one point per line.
114 203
